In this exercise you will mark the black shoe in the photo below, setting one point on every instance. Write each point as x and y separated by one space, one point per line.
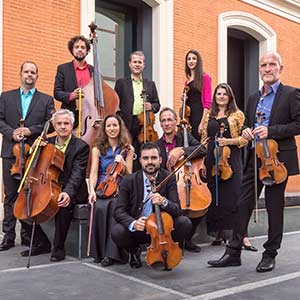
250 248
37 250
266 264
57 254
135 258
189 246
107 261
6 244
226 261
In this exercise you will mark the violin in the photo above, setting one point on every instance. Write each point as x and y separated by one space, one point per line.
39 188
109 187
185 110
272 171
146 121
194 194
163 253
222 153
19 150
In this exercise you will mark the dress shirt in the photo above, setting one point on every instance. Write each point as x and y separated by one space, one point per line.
137 86
26 100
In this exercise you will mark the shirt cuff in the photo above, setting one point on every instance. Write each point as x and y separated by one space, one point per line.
70 97
131 226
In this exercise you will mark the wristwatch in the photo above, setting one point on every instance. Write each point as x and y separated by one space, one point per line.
164 202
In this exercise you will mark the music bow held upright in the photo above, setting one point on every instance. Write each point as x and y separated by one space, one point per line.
146 121
272 171
163 253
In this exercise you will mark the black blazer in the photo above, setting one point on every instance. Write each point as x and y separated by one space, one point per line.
193 144
74 173
124 90
39 111
284 123
65 83
130 199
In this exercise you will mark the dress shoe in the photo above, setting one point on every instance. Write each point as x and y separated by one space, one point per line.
135 259
226 261
266 264
189 246
57 255
37 250
107 261
250 248
6 244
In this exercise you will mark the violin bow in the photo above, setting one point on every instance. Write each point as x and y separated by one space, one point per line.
217 169
90 230
255 216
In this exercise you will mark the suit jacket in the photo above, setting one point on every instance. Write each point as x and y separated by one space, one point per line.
74 170
39 111
284 123
65 83
130 198
124 90
193 144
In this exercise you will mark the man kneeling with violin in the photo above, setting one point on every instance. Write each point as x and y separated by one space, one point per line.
137 197
72 179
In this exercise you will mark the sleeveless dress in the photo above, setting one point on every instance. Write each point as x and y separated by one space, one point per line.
221 217
101 244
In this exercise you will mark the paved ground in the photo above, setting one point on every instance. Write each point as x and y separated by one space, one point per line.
191 280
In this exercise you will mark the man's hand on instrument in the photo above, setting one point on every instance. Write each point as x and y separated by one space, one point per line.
63 199
148 106
174 155
261 131
156 198
20 133
92 196
140 224
247 134
75 94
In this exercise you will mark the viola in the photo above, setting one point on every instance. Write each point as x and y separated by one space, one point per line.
39 188
272 171
19 150
146 121
222 154
109 187
194 194
99 99
163 253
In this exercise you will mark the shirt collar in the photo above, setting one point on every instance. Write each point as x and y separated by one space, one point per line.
165 140
138 81
65 144
76 65
146 178
30 92
273 88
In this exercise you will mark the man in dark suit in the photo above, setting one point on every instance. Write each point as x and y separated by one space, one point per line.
129 90
72 76
172 149
280 105
135 204
35 108
74 187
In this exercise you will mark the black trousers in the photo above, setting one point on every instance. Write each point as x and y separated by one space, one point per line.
11 186
134 132
131 240
274 199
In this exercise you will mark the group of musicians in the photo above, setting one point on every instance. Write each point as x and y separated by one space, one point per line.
120 217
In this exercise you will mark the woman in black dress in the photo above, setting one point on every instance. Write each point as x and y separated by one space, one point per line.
199 91
224 112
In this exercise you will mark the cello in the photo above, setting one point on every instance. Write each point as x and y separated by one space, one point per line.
146 121
163 253
194 194
99 99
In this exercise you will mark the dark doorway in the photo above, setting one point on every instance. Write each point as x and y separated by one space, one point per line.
242 65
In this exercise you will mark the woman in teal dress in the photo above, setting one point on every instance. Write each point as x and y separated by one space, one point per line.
112 145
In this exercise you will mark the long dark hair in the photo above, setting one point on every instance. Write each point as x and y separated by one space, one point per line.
231 106
198 70
102 141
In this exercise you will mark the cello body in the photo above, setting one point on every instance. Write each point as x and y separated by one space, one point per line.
43 181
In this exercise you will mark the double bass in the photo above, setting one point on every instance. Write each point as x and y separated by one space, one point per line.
194 195
99 99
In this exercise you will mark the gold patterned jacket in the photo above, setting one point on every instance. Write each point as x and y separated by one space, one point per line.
236 122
